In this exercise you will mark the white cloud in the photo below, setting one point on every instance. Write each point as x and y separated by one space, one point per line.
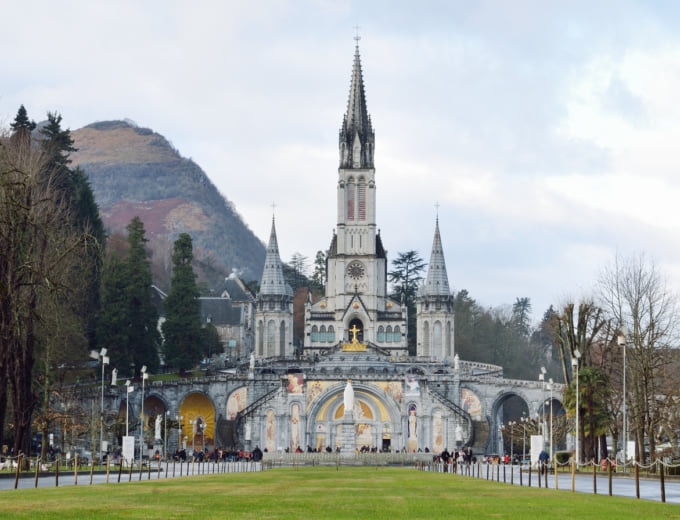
546 132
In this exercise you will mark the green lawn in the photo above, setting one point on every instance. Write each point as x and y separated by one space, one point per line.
322 492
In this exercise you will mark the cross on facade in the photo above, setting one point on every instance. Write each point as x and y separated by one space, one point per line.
354 330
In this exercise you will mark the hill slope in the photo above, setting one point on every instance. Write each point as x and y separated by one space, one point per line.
136 172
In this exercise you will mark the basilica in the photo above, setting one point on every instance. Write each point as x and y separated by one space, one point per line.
290 396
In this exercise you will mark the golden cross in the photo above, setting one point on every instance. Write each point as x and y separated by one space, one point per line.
354 331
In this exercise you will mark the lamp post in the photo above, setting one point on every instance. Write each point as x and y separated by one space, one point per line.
550 387
180 418
104 360
193 436
541 378
145 376
511 425
524 420
622 343
574 364
130 388
165 434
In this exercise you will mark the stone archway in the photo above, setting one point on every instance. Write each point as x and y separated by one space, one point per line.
376 419
197 422
509 425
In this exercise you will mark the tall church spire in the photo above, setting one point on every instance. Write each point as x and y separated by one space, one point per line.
437 283
273 282
357 139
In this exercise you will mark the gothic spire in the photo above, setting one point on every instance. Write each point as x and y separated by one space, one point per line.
357 139
437 283
273 282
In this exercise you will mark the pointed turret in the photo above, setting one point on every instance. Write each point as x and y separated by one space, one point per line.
273 282
437 282
357 139
434 307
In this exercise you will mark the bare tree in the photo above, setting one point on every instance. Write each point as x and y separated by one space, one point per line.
639 302
38 269
577 331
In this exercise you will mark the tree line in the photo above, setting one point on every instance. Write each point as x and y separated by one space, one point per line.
64 293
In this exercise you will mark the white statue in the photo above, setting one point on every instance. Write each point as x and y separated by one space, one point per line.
157 432
349 397
456 362
252 361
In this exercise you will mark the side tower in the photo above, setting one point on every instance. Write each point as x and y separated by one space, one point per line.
434 307
356 305
274 311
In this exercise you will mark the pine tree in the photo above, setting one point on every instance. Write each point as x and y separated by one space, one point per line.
112 322
22 127
143 338
183 338
405 279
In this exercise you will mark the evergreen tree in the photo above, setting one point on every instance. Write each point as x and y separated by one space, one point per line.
183 338
319 276
22 128
112 325
405 279
143 338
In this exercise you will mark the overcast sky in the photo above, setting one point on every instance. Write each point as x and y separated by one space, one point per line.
547 132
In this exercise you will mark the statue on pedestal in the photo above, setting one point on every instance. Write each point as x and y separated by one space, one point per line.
349 398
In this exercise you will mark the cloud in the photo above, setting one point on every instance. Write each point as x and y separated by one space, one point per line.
546 132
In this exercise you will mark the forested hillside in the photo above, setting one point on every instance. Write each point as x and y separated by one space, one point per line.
136 172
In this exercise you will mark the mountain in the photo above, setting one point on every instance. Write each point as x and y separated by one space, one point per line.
136 172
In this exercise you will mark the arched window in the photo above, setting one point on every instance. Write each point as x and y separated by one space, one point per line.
437 339
449 350
271 339
315 334
322 334
350 191
426 338
361 196
381 334
396 335
330 335
388 334
260 339
282 339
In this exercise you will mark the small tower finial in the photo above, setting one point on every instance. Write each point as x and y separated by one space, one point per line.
436 207
356 36
273 210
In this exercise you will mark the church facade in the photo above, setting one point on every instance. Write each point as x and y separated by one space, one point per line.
355 343
356 331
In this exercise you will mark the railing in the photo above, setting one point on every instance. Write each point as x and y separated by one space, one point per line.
34 469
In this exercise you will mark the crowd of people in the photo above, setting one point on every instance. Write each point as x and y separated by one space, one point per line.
219 455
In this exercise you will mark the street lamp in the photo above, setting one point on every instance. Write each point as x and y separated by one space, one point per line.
104 359
145 376
524 420
541 378
130 388
574 365
180 418
550 387
165 434
511 425
621 340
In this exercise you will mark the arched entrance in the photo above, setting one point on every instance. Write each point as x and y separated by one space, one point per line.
197 422
374 423
512 426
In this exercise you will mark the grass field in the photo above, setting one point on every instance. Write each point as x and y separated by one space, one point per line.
322 492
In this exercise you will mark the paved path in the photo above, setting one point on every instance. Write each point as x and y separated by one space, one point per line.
7 480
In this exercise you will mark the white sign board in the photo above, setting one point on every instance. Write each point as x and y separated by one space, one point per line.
128 449
536 448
